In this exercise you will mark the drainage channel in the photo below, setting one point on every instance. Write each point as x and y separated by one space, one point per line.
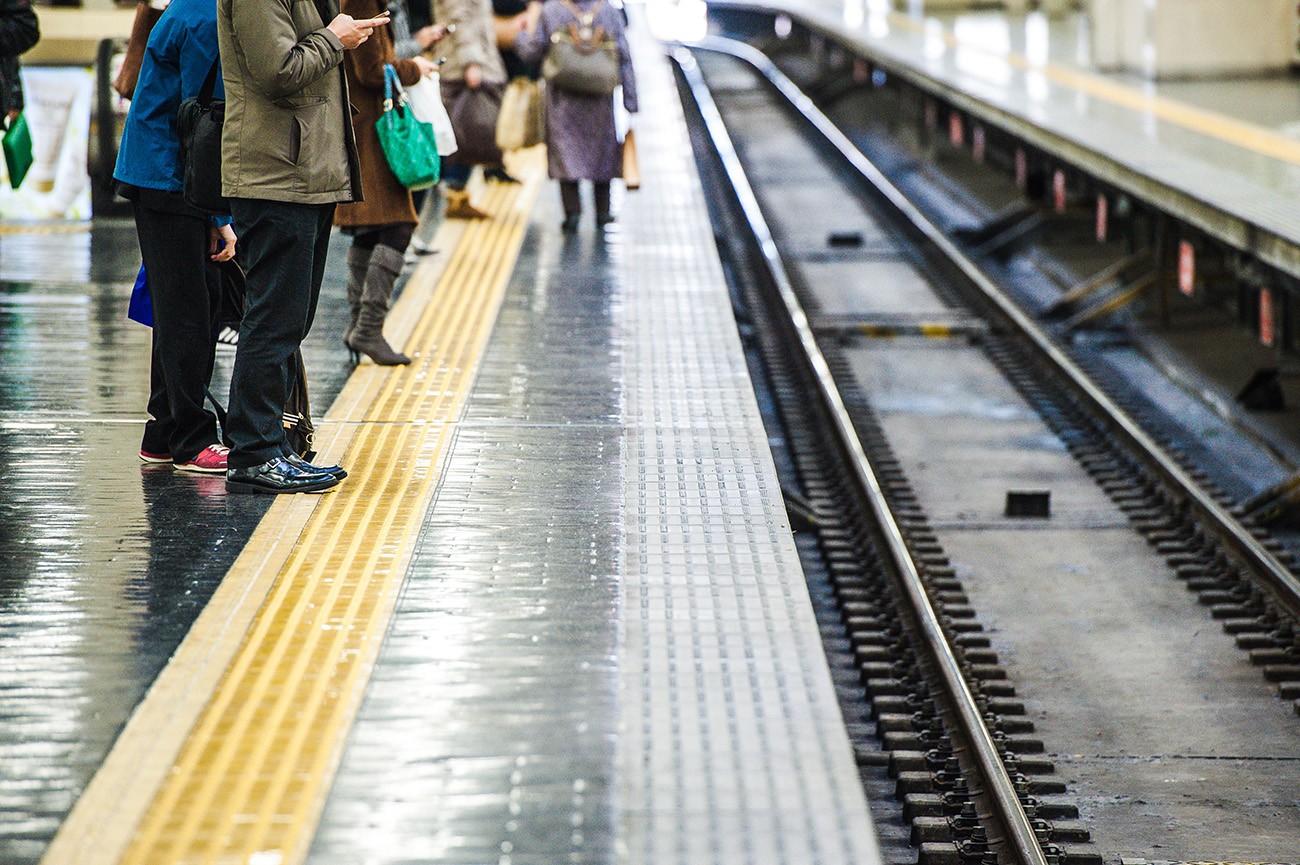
921 735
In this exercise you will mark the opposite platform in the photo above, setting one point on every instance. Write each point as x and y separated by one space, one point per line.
1217 156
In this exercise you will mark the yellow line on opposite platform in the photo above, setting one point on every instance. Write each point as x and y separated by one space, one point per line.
1211 124
231 755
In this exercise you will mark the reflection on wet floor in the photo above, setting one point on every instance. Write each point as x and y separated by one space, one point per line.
104 562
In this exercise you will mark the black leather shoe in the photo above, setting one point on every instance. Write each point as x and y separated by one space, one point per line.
338 471
499 175
570 223
278 475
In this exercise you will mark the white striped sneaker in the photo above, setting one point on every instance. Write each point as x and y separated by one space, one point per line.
228 339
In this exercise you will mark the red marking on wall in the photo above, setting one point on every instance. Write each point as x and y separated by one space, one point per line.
1266 324
956 132
1058 190
978 143
1186 268
861 71
1103 218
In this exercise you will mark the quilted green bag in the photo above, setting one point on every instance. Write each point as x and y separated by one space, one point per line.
17 146
408 144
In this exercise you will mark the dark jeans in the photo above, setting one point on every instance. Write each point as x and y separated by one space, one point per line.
284 247
571 198
186 290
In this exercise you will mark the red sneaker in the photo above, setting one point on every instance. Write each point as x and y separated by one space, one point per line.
211 460
146 457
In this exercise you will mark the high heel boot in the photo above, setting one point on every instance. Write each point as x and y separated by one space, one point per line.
459 206
368 336
358 262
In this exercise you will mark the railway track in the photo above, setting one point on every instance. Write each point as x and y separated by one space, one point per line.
933 710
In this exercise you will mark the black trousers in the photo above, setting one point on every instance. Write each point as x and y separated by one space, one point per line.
186 290
284 247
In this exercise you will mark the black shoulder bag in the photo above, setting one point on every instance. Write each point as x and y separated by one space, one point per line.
199 123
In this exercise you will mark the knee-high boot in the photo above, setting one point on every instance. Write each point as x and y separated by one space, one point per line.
368 336
358 262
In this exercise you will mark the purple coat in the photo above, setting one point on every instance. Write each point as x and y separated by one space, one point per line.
581 142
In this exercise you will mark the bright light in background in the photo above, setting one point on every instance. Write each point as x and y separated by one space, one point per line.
1036 86
983 44
855 12
678 20
935 45
1037 39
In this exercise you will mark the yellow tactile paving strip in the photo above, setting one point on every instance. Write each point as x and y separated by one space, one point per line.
253 765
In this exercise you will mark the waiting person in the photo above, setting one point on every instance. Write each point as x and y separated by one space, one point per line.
288 158
382 224
180 245
581 140
408 41
19 31
473 63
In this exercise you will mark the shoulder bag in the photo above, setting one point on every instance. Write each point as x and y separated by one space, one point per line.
199 121
17 146
408 143
582 58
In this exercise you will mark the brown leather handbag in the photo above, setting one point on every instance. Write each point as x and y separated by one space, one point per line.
145 17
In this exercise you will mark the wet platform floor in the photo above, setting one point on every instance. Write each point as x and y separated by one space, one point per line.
104 562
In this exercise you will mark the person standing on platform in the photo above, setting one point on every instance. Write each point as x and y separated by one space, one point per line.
473 63
19 32
288 158
410 40
581 139
380 226
181 246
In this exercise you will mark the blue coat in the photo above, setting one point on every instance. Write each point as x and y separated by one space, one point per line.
177 59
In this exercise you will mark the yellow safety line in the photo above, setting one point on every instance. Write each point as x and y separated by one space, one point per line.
1208 123
78 227
319 580
254 774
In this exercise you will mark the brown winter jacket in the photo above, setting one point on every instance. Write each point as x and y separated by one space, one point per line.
288 133
387 200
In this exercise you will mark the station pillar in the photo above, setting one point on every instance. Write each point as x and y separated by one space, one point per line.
1193 38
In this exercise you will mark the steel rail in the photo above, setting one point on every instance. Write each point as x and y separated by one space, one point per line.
1276 577
1018 832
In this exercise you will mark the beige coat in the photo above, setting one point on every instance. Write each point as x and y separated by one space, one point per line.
288 131
474 41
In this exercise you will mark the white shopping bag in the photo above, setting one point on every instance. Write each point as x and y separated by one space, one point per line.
425 99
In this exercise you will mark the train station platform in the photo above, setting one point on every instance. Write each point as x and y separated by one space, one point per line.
1221 155
555 614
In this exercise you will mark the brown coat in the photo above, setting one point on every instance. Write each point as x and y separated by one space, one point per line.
387 201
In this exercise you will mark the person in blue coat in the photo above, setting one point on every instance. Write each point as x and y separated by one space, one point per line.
181 246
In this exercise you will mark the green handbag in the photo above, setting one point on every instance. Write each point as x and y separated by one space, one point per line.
408 144
17 146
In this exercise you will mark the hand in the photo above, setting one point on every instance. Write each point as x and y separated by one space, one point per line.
426 36
216 236
13 115
473 76
354 31
425 65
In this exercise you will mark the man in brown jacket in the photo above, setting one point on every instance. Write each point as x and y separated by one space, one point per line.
288 157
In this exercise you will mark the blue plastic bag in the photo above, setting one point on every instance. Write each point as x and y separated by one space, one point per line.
141 307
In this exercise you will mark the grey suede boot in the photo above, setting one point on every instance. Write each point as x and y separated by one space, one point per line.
368 336
358 262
